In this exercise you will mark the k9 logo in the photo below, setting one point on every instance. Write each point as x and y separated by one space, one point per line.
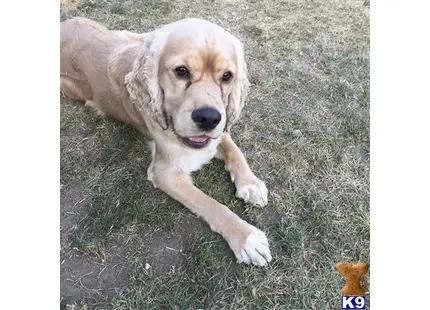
353 302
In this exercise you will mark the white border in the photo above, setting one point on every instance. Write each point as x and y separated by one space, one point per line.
400 32
30 155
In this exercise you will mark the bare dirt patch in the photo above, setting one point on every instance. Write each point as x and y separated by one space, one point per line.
86 276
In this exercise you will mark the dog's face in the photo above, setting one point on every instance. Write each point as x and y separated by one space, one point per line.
198 77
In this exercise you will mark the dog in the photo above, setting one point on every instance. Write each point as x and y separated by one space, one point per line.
182 85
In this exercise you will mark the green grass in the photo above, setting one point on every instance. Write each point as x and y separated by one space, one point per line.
305 131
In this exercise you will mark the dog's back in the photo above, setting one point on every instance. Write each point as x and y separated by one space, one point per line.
94 62
85 47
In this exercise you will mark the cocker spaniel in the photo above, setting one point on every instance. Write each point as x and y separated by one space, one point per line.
183 86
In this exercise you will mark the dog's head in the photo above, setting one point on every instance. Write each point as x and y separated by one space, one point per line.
190 77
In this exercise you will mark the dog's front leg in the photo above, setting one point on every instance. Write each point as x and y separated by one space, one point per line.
248 243
248 186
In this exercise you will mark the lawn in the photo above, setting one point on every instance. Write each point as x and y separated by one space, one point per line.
305 132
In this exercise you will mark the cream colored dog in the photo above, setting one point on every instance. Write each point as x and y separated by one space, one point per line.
183 86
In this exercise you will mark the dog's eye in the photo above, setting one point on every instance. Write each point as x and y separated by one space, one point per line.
182 72
227 76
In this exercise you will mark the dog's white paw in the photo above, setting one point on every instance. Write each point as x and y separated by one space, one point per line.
255 250
253 191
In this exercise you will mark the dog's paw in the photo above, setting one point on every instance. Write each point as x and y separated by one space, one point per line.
98 111
254 250
253 191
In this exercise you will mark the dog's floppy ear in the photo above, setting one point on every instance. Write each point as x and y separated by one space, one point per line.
237 97
143 81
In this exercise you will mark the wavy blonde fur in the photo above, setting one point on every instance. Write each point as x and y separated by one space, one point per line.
239 93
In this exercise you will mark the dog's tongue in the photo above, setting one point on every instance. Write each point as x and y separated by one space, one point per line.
199 138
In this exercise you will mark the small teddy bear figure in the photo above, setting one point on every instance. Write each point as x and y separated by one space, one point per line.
353 273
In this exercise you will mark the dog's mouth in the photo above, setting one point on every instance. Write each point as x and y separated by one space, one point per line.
197 142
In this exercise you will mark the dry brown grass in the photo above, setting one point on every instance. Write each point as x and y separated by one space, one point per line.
67 4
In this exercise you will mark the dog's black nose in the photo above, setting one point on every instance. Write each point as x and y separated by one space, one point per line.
206 118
